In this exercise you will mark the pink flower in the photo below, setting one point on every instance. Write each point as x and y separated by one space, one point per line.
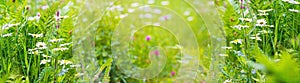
156 52
173 73
148 38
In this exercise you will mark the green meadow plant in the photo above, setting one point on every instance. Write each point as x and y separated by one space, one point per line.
44 41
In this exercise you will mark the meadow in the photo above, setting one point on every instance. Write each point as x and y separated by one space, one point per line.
155 41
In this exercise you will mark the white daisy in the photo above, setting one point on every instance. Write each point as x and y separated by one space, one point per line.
187 13
35 35
56 40
261 22
151 1
246 19
65 44
36 52
123 16
293 10
75 65
65 62
226 47
237 41
256 37
7 26
223 54
240 27
44 61
156 24
130 10
165 3
263 14
265 32
148 15
264 11
46 56
7 35
41 45
60 49
190 18
134 4
157 11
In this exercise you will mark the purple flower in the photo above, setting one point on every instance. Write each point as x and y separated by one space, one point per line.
57 13
148 38
173 73
156 52
242 7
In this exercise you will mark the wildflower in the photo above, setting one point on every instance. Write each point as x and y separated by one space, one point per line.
226 47
65 44
253 71
130 10
293 10
223 54
157 11
79 74
190 18
46 56
264 32
270 25
291 1
237 41
148 16
134 4
60 49
63 72
173 73
263 14
44 61
227 81
246 19
122 16
36 52
239 27
56 40
150 1
75 65
44 7
7 35
261 22
27 7
35 35
119 8
156 24
7 26
164 18
65 62
148 38
264 11
156 52
187 13
239 53
30 50
256 37
36 17
41 45
165 3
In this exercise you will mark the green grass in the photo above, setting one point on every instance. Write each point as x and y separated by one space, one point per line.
92 51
